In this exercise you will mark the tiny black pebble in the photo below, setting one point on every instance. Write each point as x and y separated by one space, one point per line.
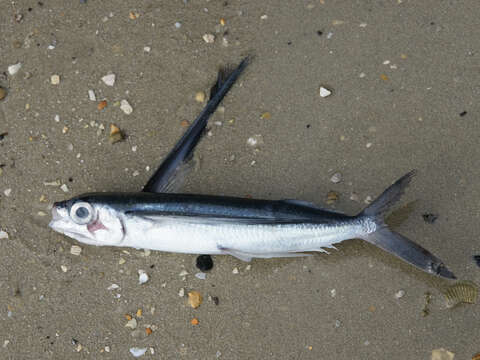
289 43
430 218
463 113
319 33
215 300
40 3
477 259
70 179
308 126
204 262
48 336
152 266
30 9
432 23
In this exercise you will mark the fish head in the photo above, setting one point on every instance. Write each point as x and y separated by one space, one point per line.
88 222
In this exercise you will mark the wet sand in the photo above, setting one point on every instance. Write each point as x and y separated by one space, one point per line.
405 83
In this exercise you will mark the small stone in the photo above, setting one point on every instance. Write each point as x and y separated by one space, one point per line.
149 331
64 188
55 79
7 192
147 49
64 268
13 69
336 178
255 140
333 293
109 79
194 322
368 145
368 200
264 17
142 277
137 352
354 197
132 323
3 235
17 44
194 299
222 22
216 300
139 313
362 75
200 97
133 15
65 130
338 323
107 349
324 92
75 250
183 273
116 134
235 271
265 116
126 107
56 118
429 218
91 95
442 354
181 292
362 25
3 93
121 261
208 38
113 287
204 262
399 294
383 77
178 25
102 105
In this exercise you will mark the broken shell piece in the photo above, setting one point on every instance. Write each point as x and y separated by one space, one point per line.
13 69
324 92
109 79
194 299
462 292
3 235
200 97
91 95
55 79
137 352
132 323
116 134
142 277
208 38
75 250
126 107
442 354
255 140
336 178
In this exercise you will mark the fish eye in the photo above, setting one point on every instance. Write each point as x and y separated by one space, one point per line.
81 213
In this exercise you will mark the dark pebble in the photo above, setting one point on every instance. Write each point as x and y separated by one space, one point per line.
74 341
215 300
2 135
204 262
477 259
429 218
463 113
319 33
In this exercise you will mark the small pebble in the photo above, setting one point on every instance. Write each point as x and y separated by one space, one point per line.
133 15
55 79
75 250
338 323
113 287
368 200
336 178
107 349
215 300
183 273
109 79
255 140
142 277
429 218
91 95
200 97
126 107
354 197
208 38
324 92
13 69
194 321
463 113
195 299
181 292
362 75
399 294
64 268
147 49
3 93
7 192
137 352
235 271
57 118
64 188
264 17
102 105
204 262
178 25
368 145
201 275
3 235
121 261
333 293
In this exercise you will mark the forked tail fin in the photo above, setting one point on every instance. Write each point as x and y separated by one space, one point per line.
395 243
